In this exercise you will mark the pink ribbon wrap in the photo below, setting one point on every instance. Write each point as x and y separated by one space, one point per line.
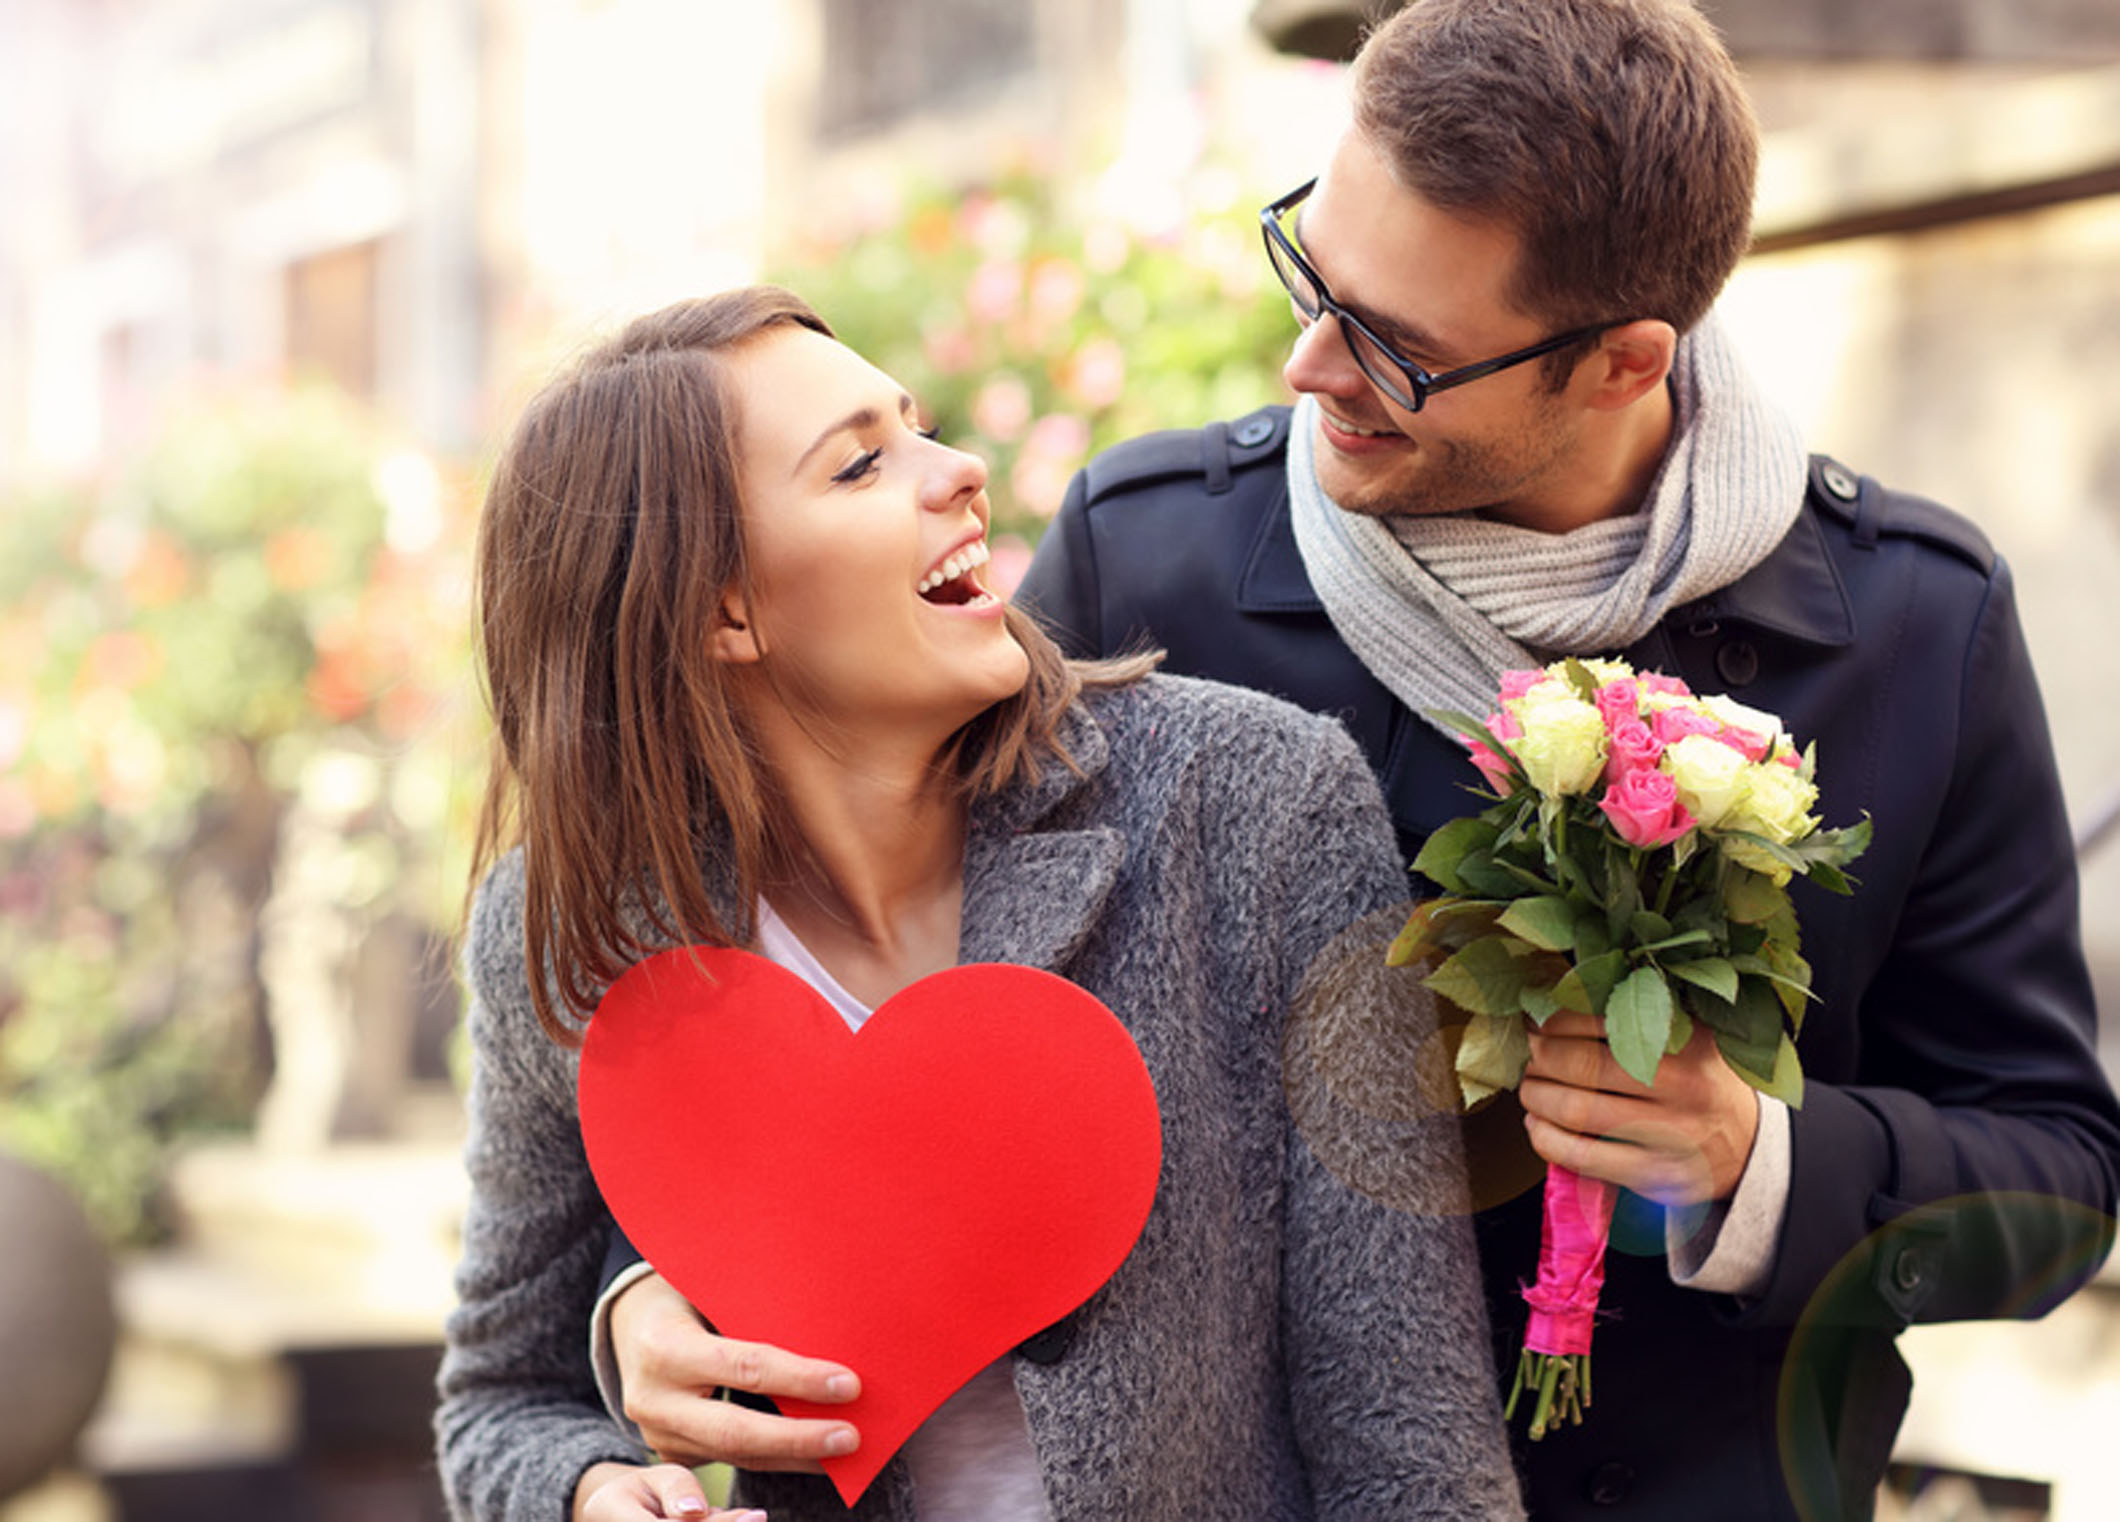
1571 1262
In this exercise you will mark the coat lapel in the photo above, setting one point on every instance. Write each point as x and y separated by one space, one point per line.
1033 888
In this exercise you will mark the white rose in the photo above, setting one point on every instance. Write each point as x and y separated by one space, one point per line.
1710 777
1562 748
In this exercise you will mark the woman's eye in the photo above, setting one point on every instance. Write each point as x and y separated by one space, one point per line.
931 431
860 466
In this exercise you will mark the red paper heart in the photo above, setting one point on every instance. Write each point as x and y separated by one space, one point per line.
912 1200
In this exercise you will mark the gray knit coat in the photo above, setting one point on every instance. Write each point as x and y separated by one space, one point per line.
1277 1345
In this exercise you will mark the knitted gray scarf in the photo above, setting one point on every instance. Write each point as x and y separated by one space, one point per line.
1439 607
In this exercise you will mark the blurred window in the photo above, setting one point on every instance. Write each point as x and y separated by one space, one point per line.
331 318
887 59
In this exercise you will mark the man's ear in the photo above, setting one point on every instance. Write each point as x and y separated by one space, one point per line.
1629 362
734 639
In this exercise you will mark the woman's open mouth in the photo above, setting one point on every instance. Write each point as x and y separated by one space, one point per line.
954 583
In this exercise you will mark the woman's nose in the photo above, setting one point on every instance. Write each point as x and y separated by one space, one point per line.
954 475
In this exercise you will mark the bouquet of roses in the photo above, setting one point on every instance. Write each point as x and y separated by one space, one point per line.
1635 866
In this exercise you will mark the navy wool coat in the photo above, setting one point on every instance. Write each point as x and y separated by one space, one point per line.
1957 1152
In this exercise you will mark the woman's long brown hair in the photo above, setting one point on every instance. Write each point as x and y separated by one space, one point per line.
620 764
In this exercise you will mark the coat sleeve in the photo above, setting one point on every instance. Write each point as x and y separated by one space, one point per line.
519 1418
1970 1170
1389 1377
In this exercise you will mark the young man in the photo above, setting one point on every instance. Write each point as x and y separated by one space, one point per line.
1521 435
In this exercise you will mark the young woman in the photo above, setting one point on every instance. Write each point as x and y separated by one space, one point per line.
750 689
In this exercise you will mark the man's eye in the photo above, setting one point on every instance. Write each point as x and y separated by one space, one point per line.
860 466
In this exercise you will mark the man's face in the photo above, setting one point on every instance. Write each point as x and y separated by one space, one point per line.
1433 286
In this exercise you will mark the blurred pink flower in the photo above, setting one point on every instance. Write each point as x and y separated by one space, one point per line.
1002 408
1059 436
1057 288
1040 483
950 350
995 291
1095 374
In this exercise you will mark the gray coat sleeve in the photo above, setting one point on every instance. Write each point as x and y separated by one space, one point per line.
520 1419
1389 1377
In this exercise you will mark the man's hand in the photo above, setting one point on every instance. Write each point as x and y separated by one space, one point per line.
671 1366
628 1493
1684 1142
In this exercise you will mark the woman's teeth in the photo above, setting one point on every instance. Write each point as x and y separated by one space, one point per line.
970 558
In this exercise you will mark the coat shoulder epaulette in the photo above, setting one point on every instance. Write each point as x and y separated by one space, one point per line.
1213 453
1873 511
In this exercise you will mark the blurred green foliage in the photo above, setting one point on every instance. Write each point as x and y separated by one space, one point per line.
1035 333
266 592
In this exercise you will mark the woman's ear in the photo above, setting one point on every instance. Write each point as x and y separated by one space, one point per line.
734 640
1629 362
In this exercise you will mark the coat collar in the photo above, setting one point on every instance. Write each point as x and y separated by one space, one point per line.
1796 591
1035 886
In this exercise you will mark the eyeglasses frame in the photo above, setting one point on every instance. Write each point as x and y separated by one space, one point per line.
1420 383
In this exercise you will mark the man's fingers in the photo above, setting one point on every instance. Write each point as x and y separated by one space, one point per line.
1577 1054
762 1369
706 1432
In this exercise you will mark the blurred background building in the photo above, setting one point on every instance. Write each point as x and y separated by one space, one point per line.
274 272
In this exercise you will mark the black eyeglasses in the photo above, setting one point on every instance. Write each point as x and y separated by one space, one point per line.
1402 380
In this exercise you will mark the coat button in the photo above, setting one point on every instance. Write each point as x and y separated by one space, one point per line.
1253 431
1908 1270
1609 1484
1838 481
1050 1345
1738 662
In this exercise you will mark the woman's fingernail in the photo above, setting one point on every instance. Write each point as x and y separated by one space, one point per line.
842 1386
691 1506
841 1441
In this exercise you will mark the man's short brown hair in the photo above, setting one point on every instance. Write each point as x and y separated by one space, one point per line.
1614 136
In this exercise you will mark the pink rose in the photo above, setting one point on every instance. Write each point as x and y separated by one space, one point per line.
1644 809
1516 683
1670 686
1503 726
1619 701
1753 747
1633 747
1674 724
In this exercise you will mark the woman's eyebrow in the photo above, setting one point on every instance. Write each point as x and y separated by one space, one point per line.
859 418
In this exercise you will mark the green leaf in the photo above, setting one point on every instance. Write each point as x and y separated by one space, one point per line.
1547 922
1592 938
1442 851
1681 1033
1416 938
1648 926
1482 874
1588 984
1830 878
1783 1077
1484 978
1539 1004
1715 974
1638 1022
1580 678
1679 942
1750 897
1491 1056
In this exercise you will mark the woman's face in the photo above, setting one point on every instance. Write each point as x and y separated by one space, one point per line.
867 545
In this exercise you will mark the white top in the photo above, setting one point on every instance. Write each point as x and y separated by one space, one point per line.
972 1460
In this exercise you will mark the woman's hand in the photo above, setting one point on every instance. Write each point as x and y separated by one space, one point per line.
629 1493
671 1367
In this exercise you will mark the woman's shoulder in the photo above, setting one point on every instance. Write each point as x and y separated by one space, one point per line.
1243 727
